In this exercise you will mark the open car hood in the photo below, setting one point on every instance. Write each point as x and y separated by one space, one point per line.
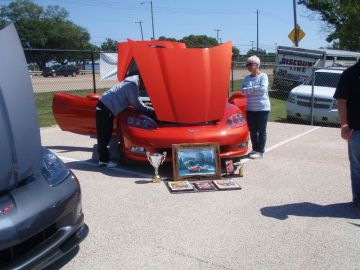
20 150
185 85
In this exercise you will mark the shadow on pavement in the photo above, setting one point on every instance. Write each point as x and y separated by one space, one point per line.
64 260
306 209
358 225
91 166
128 171
65 149
142 182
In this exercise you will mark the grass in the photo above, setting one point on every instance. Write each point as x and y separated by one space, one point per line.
44 104
46 118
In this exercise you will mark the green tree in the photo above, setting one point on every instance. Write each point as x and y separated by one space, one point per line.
109 45
167 38
254 52
342 18
47 28
199 41
202 41
235 50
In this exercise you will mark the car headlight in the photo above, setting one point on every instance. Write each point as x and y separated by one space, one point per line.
141 121
236 120
291 98
334 105
53 169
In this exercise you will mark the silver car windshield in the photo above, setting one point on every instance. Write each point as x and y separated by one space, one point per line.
324 79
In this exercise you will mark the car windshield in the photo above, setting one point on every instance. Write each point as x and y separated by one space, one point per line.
325 79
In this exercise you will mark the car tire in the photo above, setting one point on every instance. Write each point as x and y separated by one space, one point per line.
275 85
290 119
73 74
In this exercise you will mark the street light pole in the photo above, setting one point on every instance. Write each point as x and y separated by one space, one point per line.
140 23
217 34
257 32
296 37
152 17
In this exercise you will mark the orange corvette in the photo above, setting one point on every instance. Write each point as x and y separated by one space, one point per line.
188 88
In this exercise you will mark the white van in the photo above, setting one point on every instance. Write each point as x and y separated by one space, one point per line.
294 65
298 104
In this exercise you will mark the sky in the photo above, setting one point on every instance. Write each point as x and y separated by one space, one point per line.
236 20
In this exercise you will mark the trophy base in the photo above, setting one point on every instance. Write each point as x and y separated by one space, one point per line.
156 179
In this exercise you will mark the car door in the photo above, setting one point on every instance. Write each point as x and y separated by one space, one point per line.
74 113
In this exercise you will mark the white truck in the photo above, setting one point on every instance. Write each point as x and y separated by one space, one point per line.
294 65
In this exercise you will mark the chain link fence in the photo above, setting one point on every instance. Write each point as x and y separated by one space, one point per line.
72 71
304 95
300 95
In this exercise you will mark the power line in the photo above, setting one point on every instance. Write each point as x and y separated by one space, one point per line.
161 9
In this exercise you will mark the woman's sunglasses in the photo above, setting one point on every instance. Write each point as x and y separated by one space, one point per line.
249 64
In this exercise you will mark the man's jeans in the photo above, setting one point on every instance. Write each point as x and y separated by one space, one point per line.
354 157
257 122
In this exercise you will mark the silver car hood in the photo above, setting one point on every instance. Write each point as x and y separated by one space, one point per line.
20 145
319 91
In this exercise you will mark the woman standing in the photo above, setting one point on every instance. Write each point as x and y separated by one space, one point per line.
255 87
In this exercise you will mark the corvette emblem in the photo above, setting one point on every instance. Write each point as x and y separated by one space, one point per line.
192 130
6 209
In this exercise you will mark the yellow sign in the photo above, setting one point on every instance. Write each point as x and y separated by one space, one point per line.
301 34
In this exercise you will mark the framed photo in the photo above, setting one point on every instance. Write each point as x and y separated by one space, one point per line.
229 167
204 186
226 184
196 161
180 186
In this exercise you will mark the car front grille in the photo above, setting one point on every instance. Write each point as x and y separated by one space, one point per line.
11 253
320 103
316 105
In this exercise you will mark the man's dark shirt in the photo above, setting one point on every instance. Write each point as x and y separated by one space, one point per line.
349 89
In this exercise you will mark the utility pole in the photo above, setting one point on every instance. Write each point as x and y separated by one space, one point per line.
152 17
140 23
295 26
217 34
252 45
257 32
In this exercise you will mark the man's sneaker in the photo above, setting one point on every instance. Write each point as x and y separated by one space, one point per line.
252 153
256 155
102 164
109 164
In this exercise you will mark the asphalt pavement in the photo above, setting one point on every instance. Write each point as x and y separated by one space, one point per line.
293 211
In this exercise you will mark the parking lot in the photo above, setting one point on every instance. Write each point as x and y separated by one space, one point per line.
85 82
293 211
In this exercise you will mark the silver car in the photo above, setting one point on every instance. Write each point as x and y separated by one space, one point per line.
299 102
41 217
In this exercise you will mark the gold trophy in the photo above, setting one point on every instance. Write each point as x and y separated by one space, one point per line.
156 160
